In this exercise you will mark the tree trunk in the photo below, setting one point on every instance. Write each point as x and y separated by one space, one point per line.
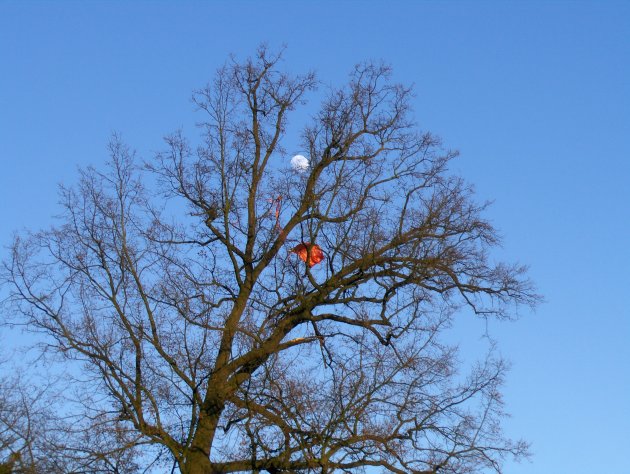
197 460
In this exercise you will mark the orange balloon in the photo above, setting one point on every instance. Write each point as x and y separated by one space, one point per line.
302 251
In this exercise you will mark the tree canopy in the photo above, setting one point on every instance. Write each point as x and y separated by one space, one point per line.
232 313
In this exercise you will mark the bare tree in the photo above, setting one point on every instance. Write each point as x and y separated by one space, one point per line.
38 435
210 332
16 427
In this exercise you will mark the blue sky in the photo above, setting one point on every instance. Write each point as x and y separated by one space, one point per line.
535 95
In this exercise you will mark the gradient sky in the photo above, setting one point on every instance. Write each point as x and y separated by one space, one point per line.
535 95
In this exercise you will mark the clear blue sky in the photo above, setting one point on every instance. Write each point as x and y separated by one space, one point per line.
535 95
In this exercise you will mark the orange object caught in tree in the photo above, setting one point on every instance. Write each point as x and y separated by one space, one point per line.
304 249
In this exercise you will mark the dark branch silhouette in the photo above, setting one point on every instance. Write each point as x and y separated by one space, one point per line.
206 338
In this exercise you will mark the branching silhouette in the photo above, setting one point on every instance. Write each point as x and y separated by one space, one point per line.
207 338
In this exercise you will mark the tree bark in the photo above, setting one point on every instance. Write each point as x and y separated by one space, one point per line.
197 460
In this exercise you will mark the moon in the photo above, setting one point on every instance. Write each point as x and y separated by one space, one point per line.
299 163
